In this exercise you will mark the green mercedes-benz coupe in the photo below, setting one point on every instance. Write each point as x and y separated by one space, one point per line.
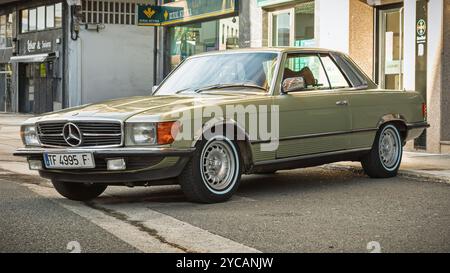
224 114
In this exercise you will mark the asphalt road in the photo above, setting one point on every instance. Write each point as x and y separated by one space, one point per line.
30 223
310 210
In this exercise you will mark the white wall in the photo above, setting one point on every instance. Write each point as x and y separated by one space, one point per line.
409 65
332 20
256 24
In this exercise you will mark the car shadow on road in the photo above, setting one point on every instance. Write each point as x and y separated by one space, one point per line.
251 188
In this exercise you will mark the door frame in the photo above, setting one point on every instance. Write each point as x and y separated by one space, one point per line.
378 39
291 23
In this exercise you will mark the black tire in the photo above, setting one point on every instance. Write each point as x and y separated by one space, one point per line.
193 180
375 163
78 191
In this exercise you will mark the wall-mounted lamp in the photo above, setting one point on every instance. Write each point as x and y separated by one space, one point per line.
95 27
75 16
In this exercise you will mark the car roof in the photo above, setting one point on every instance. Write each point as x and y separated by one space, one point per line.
271 49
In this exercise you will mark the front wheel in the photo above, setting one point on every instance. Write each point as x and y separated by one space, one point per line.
214 172
383 161
78 191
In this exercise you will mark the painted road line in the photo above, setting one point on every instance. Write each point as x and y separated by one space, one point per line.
192 238
126 232
145 229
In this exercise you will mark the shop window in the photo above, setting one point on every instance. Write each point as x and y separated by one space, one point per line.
40 18
293 26
188 40
50 19
304 25
281 26
24 21
32 20
2 31
9 30
58 15
6 22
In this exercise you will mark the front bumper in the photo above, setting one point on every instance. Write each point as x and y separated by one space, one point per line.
169 164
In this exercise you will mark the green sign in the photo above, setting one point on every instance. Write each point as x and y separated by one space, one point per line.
183 11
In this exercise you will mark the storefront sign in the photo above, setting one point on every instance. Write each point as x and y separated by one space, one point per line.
38 46
184 11
38 42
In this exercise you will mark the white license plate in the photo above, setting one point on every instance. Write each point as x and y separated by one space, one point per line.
69 161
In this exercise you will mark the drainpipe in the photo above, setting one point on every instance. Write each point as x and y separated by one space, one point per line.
155 56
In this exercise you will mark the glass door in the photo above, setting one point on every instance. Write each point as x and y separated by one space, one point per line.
5 88
390 69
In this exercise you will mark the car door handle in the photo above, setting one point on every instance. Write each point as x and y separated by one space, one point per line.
342 103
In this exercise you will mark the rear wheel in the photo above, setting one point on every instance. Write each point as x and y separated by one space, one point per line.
384 159
214 172
78 191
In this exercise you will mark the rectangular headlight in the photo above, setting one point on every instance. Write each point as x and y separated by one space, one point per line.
29 135
141 134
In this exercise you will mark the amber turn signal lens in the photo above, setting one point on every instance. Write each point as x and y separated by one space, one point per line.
167 132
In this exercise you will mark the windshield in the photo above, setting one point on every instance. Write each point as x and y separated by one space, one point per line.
249 70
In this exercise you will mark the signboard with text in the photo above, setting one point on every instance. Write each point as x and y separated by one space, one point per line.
184 11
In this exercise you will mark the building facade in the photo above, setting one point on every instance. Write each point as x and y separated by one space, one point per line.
56 54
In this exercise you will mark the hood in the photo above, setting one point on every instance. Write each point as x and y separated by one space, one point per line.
123 109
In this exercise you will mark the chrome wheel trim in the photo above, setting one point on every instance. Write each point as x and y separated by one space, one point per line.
389 148
219 165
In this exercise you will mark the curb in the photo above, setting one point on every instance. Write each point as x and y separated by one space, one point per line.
415 175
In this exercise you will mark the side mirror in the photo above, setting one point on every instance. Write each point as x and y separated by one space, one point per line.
293 84
154 88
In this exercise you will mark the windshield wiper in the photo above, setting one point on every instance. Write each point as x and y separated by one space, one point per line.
182 90
222 86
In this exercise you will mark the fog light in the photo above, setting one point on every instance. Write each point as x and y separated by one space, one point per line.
35 165
116 164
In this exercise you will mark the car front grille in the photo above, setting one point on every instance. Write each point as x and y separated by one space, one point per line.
94 134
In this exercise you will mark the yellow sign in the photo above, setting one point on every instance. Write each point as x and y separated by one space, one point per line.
149 12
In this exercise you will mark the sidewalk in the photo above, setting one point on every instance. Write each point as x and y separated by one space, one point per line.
10 141
421 166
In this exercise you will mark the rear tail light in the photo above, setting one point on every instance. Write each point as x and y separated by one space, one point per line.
424 111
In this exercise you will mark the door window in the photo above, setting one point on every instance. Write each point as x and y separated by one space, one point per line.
309 67
337 79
